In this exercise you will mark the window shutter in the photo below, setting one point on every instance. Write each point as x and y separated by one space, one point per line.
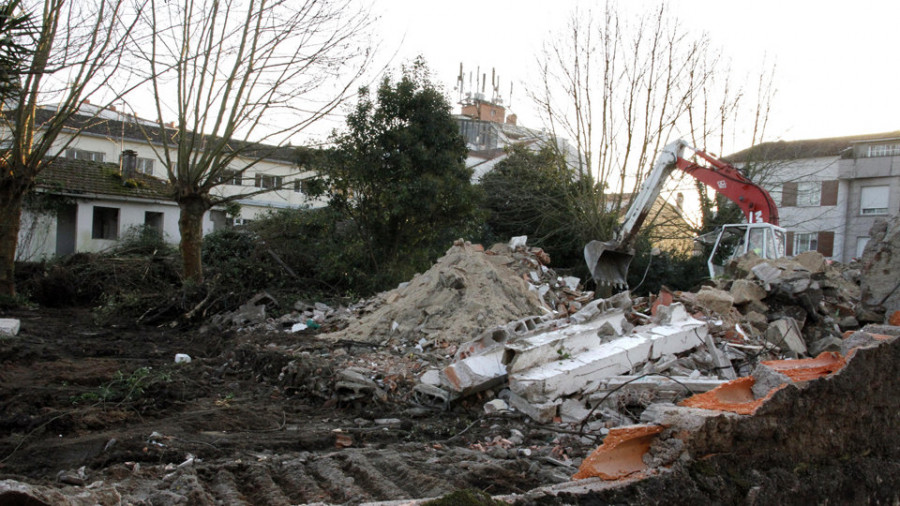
826 243
829 193
789 195
789 247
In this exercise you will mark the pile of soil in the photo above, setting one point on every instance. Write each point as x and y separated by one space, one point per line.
466 292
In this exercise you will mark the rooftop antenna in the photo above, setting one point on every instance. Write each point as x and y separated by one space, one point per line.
509 104
460 81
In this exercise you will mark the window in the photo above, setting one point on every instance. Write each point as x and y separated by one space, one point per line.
106 223
884 150
145 165
267 181
232 177
806 242
298 186
809 193
83 154
874 200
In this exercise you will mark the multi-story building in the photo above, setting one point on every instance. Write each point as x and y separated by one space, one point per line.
95 204
829 191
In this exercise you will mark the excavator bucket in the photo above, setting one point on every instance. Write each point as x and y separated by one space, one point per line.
608 262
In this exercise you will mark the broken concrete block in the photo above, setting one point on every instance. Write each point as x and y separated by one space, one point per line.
9 326
785 333
757 320
813 261
681 418
766 272
809 368
541 412
667 314
573 411
717 301
475 373
744 291
767 378
495 406
429 395
828 343
488 339
676 337
720 360
431 377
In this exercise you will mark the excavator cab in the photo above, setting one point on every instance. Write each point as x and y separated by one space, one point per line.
733 241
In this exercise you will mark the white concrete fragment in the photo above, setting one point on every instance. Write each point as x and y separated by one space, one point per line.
785 333
495 406
517 241
431 377
182 358
560 344
9 326
297 327
573 411
475 373
540 412
677 337
572 282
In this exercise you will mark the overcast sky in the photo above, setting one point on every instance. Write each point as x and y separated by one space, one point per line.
837 71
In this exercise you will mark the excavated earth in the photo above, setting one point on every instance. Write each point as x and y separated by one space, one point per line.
104 413
230 428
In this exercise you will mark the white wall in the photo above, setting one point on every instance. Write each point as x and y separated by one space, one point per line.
39 242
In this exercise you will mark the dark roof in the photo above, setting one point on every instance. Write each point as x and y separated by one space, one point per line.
74 177
134 130
808 148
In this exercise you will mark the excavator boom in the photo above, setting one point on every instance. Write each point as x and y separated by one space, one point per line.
608 261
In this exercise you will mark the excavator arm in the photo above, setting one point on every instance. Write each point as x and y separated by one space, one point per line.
608 261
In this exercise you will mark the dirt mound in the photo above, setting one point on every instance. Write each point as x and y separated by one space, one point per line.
465 292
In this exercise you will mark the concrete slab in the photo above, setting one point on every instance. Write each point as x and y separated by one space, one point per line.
559 344
9 326
570 375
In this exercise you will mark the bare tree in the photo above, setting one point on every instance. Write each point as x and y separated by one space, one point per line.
73 53
239 76
620 86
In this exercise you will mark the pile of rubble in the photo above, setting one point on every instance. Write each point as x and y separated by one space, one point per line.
466 291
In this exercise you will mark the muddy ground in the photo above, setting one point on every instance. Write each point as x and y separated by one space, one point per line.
254 418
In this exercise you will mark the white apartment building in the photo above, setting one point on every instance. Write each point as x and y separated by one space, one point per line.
94 205
830 191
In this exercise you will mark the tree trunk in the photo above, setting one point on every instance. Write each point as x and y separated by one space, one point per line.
190 224
10 221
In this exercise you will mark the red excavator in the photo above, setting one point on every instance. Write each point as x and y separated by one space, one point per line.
608 261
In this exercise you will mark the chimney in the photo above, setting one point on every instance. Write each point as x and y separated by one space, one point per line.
129 164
